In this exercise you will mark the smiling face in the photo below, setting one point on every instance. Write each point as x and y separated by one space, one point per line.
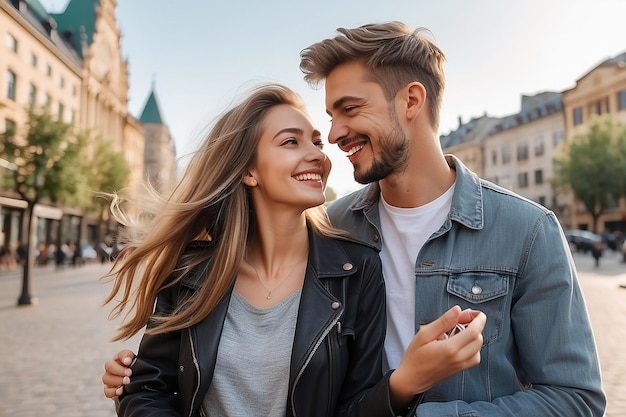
290 167
363 123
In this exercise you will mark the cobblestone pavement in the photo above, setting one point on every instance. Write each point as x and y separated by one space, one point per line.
52 352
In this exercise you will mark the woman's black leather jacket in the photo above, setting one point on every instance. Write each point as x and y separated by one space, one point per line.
337 349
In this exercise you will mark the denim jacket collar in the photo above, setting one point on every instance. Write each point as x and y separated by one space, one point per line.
467 201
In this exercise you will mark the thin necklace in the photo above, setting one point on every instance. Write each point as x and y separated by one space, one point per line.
269 292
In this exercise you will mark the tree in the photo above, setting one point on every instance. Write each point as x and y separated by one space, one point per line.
593 169
109 174
621 149
45 160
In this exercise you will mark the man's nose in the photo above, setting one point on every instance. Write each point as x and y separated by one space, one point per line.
338 130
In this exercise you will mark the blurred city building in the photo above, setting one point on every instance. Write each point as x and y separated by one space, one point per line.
72 62
517 151
600 91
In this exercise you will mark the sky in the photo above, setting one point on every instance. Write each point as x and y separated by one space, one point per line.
202 55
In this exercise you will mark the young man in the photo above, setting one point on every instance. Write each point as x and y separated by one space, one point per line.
447 237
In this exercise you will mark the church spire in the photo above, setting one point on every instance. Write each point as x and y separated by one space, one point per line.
151 112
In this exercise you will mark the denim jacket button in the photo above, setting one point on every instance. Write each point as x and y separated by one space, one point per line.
347 266
375 238
476 290
335 305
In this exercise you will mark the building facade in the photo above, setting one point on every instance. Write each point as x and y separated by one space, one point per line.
467 142
71 62
601 91
520 149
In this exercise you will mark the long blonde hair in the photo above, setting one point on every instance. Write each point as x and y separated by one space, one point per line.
209 203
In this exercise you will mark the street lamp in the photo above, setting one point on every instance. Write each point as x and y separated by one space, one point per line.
25 297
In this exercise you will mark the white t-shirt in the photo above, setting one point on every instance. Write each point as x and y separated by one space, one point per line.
405 230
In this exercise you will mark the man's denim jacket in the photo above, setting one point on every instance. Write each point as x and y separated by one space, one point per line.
507 257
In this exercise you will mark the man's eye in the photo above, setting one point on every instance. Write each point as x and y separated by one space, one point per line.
319 144
348 109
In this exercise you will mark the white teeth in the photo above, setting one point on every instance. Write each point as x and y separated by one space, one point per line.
309 176
355 149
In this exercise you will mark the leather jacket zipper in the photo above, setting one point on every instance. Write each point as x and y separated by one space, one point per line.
196 364
318 342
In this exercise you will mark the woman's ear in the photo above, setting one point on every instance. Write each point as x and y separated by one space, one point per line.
249 180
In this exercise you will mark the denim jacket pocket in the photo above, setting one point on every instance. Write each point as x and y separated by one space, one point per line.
484 291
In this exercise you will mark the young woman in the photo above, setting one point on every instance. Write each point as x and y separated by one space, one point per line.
254 304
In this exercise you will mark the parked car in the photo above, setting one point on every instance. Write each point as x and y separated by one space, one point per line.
582 240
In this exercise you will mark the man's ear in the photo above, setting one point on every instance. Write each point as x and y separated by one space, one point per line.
415 99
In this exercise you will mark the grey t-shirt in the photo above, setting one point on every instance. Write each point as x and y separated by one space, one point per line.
251 375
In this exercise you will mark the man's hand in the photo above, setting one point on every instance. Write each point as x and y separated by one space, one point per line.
117 373
433 355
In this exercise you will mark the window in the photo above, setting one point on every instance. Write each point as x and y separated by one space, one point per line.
11 85
9 125
494 157
12 42
33 60
557 138
595 108
539 146
61 111
48 101
48 70
542 200
61 82
32 95
506 154
539 176
621 100
578 115
74 90
522 179
522 152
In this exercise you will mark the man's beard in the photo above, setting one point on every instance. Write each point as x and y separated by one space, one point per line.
393 157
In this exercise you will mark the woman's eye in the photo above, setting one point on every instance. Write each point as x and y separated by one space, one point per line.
319 144
290 141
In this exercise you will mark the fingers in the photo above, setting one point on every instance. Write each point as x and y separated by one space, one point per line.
115 369
111 392
434 330
125 357
468 315
464 347
114 391
117 373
